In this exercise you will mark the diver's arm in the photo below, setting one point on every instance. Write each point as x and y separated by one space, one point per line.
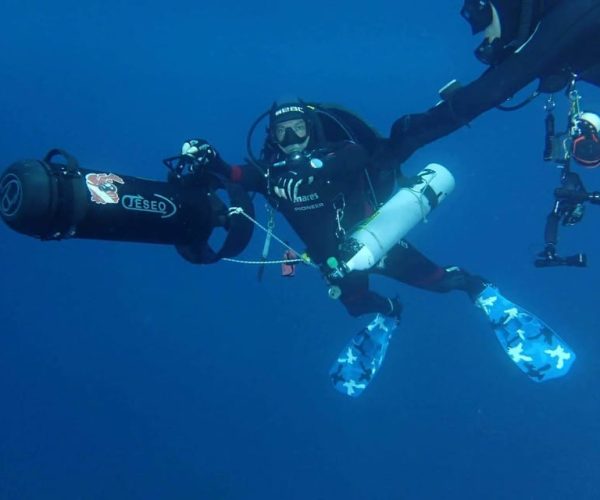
204 156
556 34
250 177
491 89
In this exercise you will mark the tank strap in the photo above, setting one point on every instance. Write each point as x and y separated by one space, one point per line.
431 196
428 192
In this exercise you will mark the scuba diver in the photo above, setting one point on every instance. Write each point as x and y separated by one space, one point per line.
324 189
331 190
524 40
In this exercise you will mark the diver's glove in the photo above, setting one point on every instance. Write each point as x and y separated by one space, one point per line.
200 154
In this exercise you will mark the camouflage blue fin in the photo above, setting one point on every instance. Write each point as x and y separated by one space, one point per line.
534 347
360 360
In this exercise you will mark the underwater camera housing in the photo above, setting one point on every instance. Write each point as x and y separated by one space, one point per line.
570 197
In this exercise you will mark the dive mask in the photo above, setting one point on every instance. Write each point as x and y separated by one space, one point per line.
290 132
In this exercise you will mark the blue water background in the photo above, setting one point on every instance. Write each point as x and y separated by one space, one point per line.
126 372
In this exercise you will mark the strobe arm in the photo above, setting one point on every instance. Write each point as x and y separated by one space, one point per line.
594 198
568 210
577 196
549 258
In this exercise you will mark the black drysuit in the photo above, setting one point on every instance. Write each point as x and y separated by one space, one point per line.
327 196
564 39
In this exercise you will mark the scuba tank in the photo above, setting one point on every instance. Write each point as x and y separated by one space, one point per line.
375 236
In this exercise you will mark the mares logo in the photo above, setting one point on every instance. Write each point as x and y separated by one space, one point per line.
102 188
162 206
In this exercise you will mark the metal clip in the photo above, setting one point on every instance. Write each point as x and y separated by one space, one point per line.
339 203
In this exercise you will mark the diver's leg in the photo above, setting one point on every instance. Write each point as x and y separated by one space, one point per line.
358 299
406 264
533 346
362 356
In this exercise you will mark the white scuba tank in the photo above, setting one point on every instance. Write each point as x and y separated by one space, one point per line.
375 236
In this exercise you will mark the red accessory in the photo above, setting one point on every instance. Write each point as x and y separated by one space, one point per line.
288 269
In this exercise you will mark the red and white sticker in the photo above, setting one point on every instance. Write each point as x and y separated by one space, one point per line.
103 189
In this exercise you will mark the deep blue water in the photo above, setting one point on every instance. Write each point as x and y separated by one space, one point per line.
126 372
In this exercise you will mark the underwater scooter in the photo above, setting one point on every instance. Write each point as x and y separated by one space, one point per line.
54 198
